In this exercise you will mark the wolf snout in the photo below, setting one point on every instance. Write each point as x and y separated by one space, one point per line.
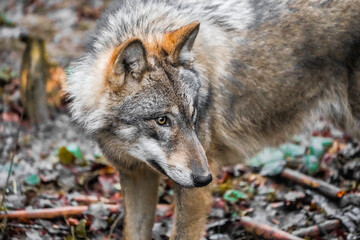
201 181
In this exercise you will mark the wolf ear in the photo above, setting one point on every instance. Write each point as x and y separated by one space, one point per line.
178 44
130 58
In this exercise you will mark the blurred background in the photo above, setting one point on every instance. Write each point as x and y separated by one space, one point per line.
55 184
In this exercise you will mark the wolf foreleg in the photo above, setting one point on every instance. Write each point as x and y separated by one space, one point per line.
192 208
139 187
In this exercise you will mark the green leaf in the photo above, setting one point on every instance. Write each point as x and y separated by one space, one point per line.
74 149
234 195
311 163
325 142
317 145
267 155
80 229
273 168
316 149
271 160
292 150
66 158
5 22
32 180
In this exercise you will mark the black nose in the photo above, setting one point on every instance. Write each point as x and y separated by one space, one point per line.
200 181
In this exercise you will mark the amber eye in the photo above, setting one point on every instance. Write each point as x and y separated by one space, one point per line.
161 120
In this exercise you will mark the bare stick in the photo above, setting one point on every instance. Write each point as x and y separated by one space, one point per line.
48 213
323 187
264 230
117 220
92 199
315 231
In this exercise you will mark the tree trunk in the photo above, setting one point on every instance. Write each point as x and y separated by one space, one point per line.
34 72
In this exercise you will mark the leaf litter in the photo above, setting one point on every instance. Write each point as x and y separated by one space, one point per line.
57 169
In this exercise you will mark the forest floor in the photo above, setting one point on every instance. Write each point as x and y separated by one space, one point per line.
60 186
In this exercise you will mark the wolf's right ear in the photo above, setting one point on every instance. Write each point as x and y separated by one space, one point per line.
179 43
129 58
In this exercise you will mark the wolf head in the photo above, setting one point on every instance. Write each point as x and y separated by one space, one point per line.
143 103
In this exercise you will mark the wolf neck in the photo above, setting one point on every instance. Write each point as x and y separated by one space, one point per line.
212 50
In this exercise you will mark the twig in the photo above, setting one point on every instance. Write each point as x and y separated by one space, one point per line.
92 199
36 226
264 230
315 231
323 187
117 220
19 225
49 213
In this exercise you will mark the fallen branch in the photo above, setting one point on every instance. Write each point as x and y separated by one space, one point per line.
318 230
92 199
36 226
323 187
49 213
264 230
115 223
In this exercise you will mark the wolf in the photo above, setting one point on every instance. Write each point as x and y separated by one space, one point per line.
179 88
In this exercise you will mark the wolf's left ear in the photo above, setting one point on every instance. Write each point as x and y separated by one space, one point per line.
178 44
130 58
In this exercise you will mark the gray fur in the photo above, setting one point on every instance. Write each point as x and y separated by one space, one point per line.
257 71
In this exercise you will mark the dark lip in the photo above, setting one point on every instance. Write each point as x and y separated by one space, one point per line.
157 166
